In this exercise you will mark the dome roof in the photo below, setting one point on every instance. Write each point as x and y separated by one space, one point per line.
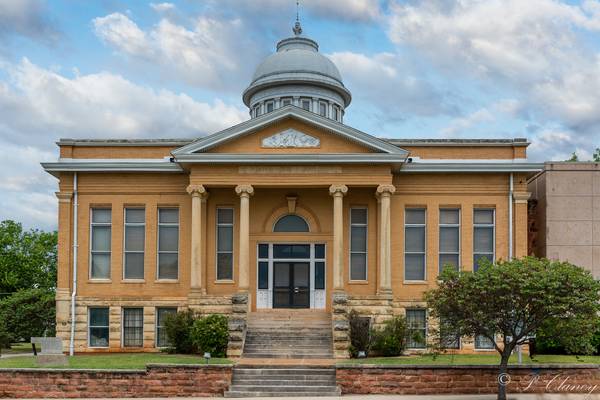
297 60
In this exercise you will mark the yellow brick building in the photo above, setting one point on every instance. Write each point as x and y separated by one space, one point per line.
290 209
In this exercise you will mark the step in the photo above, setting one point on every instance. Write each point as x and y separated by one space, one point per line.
240 394
283 370
284 382
289 356
281 388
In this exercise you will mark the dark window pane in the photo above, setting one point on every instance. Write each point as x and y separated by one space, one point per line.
414 267
482 342
167 266
448 259
225 216
323 109
263 251
134 266
101 238
319 275
168 238
99 316
358 266
134 238
478 258
449 239
135 215
168 215
319 251
281 275
225 238
225 266
450 216
358 239
415 216
133 327
99 337
301 273
101 215
306 104
162 340
483 216
415 239
483 240
270 106
263 275
291 223
100 266
358 216
291 251
417 328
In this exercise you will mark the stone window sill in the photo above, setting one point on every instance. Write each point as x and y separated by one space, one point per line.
415 282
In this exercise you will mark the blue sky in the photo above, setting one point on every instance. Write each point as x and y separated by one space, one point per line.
416 69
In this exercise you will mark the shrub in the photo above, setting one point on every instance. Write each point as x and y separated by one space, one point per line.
211 334
27 313
390 340
178 328
359 333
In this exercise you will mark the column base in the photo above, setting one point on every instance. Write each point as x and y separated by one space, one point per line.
385 293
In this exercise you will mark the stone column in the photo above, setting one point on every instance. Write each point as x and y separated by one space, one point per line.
338 192
244 191
384 193
199 195
520 224
65 265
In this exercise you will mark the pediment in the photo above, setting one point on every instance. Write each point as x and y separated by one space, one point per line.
290 138
290 130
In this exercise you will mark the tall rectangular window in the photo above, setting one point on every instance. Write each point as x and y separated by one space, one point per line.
224 243
484 226
323 109
135 238
449 338
162 340
416 321
449 238
98 327
270 106
168 243
100 243
414 244
133 327
358 244
305 103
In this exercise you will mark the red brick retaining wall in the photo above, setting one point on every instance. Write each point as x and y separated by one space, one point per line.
155 381
423 380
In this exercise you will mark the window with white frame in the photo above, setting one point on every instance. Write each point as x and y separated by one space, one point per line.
358 244
98 326
168 243
336 113
162 340
305 104
256 110
100 248
416 322
484 227
483 343
269 106
323 108
134 237
133 327
224 243
449 252
414 244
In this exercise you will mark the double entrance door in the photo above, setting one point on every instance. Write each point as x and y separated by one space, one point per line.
291 284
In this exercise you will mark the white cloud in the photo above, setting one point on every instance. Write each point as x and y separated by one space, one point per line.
38 106
214 53
27 18
459 126
387 82
162 7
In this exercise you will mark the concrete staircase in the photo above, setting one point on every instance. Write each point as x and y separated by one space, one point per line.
297 334
283 381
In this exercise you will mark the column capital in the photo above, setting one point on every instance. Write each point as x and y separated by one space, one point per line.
244 190
338 190
521 197
64 197
385 190
197 191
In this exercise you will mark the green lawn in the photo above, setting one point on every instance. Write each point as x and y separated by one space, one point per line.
464 359
18 348
115 361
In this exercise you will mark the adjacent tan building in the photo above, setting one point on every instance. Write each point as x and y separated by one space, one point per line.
290 209
566 213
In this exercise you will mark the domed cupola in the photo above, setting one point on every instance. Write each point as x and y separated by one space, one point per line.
297 74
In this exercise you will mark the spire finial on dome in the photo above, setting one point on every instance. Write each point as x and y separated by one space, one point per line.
297 27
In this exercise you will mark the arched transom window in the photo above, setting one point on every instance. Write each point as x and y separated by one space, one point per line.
291 223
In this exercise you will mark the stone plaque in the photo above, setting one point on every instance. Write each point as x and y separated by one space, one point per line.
290 138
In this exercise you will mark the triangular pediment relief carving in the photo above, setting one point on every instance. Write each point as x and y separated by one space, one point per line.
290 138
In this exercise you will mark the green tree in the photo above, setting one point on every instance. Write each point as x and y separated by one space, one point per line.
513 299
574 157
596 155
27 258
27 313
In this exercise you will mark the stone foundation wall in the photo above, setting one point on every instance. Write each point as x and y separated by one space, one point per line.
424 380
155 381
